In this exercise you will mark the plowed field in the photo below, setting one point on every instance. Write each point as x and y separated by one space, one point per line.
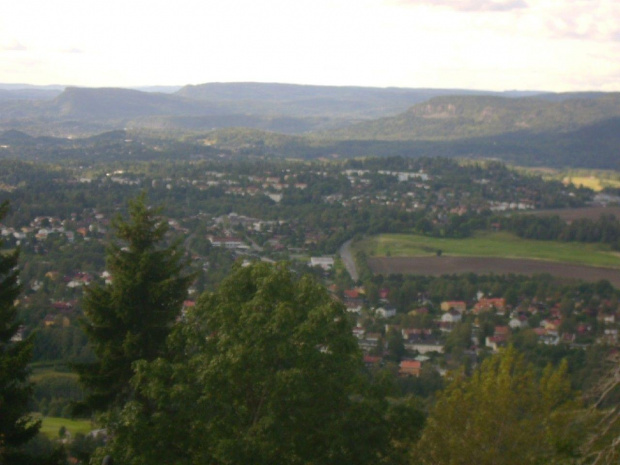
437 266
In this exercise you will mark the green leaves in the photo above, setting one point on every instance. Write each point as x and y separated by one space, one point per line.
130 319
503 414
265 371
16 425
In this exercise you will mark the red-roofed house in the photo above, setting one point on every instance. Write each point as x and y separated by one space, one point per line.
410 368
351 294
457 305
486 305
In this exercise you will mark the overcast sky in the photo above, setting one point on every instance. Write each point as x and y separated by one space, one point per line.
556 45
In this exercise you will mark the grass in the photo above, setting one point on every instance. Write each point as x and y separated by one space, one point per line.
40 373
593 179
488 244
592 182
51 425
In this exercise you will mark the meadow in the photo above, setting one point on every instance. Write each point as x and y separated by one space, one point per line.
51 425
490 244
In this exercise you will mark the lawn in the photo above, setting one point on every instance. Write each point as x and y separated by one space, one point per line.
41 372
51 426
488 244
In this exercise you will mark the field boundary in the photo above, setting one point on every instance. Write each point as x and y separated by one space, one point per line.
438 266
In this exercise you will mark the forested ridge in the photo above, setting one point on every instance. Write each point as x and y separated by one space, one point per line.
309 122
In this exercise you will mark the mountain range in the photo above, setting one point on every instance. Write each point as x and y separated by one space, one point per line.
527 127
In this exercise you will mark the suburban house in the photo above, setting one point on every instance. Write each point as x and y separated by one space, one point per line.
499 338
386 312
410 368
457 305
327 263
486 305
227 242
453 316
372 361
425 346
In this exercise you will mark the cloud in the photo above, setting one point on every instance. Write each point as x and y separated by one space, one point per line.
472 5
72 50
597 20
13 46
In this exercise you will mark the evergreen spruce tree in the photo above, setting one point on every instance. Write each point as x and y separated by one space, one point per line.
16 426
129 319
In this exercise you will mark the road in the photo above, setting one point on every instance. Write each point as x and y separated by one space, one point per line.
347 259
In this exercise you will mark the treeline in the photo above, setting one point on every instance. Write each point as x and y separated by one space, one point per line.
407 290
606 229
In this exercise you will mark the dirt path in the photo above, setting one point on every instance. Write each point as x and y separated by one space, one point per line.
347 259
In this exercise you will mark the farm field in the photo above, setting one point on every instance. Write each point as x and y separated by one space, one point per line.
571 214
591 182
437 266
489 244
593 179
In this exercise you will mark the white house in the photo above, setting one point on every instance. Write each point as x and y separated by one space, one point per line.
327 263
385 312
451 317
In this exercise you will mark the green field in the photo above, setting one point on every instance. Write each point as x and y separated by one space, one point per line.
596 180
51 426
40 373
488 244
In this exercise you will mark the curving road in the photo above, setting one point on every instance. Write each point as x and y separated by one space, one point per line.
347 259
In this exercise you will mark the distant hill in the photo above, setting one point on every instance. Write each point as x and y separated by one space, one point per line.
529 128
287 108
458 117
28 94
114 103
305 100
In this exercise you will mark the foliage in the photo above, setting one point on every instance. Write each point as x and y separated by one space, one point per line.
603 441
55 392
130 319
16 425
605 230
503 414
265 370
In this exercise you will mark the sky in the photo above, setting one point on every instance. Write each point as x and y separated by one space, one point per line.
552 45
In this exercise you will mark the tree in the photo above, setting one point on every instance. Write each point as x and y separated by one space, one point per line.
266 371
16 425
503 414
602 446
130 319
395 345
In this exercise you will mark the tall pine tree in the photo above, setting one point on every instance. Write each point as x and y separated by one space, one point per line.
129 319
16 426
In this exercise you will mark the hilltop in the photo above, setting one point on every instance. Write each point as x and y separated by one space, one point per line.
285 120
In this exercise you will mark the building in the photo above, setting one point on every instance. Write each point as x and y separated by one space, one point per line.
457 305
327 263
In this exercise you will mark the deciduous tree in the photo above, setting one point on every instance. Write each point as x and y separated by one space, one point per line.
265 371
503 414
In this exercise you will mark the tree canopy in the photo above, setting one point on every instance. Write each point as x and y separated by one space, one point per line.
16 425
503 414
265 370
129 319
